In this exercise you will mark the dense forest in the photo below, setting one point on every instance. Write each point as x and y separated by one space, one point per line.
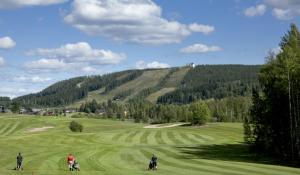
202 82
68 91
5 101
274 124
214 81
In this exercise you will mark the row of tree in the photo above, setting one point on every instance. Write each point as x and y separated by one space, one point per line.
231 109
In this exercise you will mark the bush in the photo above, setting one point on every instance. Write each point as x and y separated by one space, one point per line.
75 127
200 113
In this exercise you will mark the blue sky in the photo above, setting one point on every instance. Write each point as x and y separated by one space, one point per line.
45 41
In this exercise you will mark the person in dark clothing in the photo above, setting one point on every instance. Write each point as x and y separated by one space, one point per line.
19 162
153 163
76 166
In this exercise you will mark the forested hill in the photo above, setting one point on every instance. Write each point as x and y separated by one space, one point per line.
173 85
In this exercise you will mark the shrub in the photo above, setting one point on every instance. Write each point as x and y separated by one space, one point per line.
75 127
200 113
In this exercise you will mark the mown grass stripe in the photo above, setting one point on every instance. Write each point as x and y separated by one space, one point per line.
144 137
5 128
187 138
198 138
117 137
130 137
158 137
199 168
11 129
217 164
171 136
205 138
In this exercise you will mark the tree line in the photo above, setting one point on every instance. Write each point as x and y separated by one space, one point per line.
231 109
274 125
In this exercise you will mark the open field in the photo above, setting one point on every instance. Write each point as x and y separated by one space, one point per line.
115 148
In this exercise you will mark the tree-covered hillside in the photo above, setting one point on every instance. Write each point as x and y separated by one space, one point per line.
69 91
214 81
5 101
174 85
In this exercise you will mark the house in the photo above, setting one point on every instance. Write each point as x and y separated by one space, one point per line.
36 111
69 111
23 111
2 109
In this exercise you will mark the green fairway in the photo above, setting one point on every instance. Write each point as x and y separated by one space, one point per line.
115 148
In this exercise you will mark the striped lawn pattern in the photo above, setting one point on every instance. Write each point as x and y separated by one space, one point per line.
116 148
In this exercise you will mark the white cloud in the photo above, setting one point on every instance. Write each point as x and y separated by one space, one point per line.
206 29
284 4
284 9
45 65
7 43
152 65
258 10
32 79
72 57
200 48
12 91
9 4
80 52
2 62
282 14
138 21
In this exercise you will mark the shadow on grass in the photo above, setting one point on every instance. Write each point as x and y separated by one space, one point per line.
230 152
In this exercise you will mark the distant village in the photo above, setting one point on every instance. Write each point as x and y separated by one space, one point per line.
39 111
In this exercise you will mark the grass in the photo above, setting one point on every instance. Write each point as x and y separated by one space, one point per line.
154 96
170 84
109 147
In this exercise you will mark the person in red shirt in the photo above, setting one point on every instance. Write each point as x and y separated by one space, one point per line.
70 161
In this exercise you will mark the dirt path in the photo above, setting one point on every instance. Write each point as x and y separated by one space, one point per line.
164 126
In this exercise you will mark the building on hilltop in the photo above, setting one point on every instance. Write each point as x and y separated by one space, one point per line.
192 65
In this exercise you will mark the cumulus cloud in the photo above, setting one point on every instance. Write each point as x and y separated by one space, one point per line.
284 9
283 14
206 29
45 65
2 61
9 4
258 10
151 65
32 79
138 21
72 56
7 43
15 91
200 48
80 52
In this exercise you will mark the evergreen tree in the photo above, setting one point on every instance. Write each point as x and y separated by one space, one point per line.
275 115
